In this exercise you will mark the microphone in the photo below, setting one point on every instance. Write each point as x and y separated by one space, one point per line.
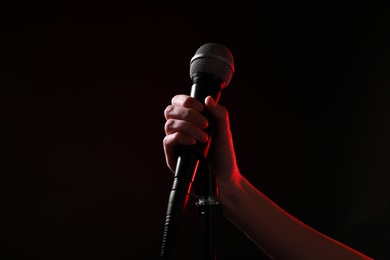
211 70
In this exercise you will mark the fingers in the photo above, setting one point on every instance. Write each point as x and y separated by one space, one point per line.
179 113
183 117
185 122
184 131
187 101
169 144
184 125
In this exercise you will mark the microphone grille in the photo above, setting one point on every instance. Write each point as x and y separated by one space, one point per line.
215 59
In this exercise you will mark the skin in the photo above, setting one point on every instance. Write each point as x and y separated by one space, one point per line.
279 234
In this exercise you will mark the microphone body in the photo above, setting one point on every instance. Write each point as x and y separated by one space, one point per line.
211 70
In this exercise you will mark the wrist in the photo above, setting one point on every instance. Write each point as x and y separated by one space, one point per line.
231 189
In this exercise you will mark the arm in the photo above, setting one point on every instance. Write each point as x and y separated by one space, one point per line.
274 230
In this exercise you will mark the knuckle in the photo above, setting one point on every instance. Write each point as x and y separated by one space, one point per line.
169 125
168 110
166 141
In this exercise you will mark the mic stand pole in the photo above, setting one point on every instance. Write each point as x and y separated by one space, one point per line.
208 207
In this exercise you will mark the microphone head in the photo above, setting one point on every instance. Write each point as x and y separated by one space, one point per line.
215 59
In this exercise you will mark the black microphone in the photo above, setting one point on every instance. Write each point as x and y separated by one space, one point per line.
211 70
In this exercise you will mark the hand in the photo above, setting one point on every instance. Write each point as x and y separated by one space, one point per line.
185 125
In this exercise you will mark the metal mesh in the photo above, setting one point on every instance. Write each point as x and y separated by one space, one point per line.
215 59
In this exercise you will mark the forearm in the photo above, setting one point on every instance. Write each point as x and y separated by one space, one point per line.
274 230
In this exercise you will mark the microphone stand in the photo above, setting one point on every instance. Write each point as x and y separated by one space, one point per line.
208 206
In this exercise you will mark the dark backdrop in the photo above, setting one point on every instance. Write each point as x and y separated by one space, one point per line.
84 85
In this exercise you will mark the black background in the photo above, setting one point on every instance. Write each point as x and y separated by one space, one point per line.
84 85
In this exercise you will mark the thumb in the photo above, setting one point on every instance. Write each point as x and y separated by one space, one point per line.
218 112
223 140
